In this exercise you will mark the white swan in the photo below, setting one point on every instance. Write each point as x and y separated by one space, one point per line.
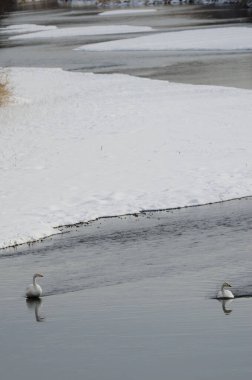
225 293
34 290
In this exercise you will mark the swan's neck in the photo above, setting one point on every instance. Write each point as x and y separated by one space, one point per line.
34 280
223 287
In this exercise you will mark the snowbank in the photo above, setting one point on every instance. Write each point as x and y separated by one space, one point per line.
77 146
84 31
122 12
228 38
26 28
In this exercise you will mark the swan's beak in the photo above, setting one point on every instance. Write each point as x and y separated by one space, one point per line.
230 286
40 275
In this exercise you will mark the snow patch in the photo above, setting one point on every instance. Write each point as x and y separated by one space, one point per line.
84 145
228 38
26 28
122 12
83 31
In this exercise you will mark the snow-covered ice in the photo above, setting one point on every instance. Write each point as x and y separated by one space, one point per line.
26 28
121 12
83 31
76 146
228 38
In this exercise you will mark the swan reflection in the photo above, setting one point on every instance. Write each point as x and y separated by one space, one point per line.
226 306
35 304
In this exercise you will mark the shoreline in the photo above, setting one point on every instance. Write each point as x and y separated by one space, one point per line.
67 227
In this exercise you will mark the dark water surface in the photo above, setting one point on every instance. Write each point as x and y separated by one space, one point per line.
132 297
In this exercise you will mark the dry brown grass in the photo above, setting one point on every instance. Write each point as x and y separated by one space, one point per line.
4 89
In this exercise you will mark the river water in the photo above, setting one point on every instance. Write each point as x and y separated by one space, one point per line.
132 296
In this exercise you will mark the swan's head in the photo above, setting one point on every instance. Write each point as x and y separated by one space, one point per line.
226 285
38 275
